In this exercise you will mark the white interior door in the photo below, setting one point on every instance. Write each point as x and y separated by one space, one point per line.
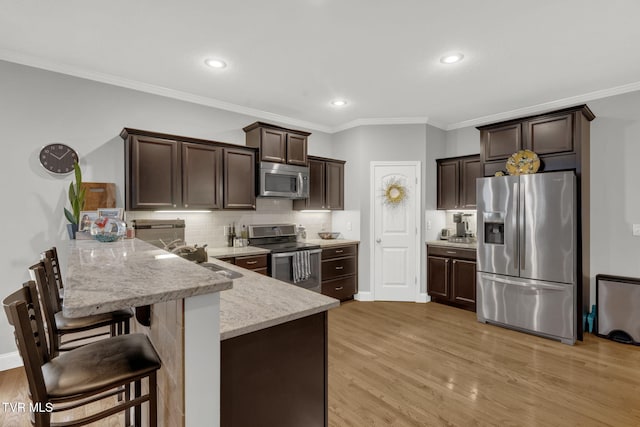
395 232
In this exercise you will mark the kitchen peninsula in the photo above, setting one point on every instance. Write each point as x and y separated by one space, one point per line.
273 348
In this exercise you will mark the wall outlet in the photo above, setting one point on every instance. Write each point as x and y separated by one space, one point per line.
225 230
349 227
428 225
636 229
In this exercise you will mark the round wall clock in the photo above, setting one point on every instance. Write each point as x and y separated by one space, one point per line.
58 158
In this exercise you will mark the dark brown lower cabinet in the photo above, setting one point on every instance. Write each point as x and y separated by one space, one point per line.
340 271
276 376
255 263
451 276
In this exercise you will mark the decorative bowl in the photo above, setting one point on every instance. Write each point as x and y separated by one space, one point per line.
107 229
328 235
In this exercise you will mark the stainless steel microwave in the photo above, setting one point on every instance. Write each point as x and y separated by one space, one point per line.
284 181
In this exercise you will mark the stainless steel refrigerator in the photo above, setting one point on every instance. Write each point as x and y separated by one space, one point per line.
527 253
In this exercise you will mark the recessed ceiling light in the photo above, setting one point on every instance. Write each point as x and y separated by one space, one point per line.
452 58
215 63
339 103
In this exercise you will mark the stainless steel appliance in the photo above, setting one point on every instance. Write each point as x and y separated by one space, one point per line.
527 243
289 258
284 181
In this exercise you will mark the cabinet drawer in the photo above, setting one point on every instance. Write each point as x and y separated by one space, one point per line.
252 262
451 252
263 271
230 260
338 251
338 267
340 288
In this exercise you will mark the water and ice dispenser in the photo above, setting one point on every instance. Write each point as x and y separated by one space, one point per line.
493 227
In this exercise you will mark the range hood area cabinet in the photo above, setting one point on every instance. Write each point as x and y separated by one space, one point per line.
169 172
326 185
277 144
556 137
457 182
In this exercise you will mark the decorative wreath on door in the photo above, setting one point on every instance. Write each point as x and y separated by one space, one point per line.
394 192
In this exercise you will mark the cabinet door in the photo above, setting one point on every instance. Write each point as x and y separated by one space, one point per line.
437 276
463 281
155 174
316 199
500 142
296 149
201 176
334 191
239 179
273 145
448 184
470 170
549 135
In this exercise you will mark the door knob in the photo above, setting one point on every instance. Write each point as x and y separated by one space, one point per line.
378 240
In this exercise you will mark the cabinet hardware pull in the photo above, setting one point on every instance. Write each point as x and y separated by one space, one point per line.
251 262
339 268
186 205
452 252
174 205
339 251
340 288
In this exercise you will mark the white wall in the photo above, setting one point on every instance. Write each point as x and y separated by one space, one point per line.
615 186
462 142
38 107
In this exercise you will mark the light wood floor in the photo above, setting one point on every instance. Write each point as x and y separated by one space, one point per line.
406 364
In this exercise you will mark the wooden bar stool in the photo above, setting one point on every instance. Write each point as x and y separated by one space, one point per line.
58 325
87 374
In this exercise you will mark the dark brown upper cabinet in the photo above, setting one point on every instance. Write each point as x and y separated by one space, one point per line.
239 179
169 172
555 137
154 173
278 144
201 176
326 185
457 182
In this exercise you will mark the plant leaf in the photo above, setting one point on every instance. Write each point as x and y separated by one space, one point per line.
69 216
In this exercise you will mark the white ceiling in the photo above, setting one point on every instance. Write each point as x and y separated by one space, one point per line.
289 58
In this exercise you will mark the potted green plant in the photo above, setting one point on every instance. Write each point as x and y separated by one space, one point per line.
76 198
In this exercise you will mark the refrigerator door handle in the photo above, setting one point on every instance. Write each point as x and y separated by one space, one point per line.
515 222
523 224
533 286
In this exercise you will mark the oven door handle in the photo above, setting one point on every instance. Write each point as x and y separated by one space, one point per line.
290 254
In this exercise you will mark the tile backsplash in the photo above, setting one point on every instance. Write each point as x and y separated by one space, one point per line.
209 227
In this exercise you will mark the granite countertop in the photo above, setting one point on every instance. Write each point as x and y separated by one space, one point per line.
228 251
332 242
257 302
104 277
446 243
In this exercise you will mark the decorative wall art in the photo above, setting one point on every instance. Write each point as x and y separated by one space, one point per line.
394 191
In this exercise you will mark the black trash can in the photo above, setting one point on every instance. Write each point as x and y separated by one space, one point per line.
618 308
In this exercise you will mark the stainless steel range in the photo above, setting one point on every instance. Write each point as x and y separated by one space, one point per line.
290 261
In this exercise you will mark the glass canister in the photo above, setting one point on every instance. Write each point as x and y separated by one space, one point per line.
107 229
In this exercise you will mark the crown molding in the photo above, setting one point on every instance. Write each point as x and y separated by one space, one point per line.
44 64
547 106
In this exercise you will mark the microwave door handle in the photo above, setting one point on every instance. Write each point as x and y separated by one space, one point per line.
300 184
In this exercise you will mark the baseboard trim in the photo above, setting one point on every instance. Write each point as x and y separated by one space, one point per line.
423 297
10 361
363 296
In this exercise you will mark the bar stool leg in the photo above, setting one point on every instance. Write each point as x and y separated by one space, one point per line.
153 401
127 397
138 408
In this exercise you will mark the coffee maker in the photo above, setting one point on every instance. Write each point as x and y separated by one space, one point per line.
462 224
